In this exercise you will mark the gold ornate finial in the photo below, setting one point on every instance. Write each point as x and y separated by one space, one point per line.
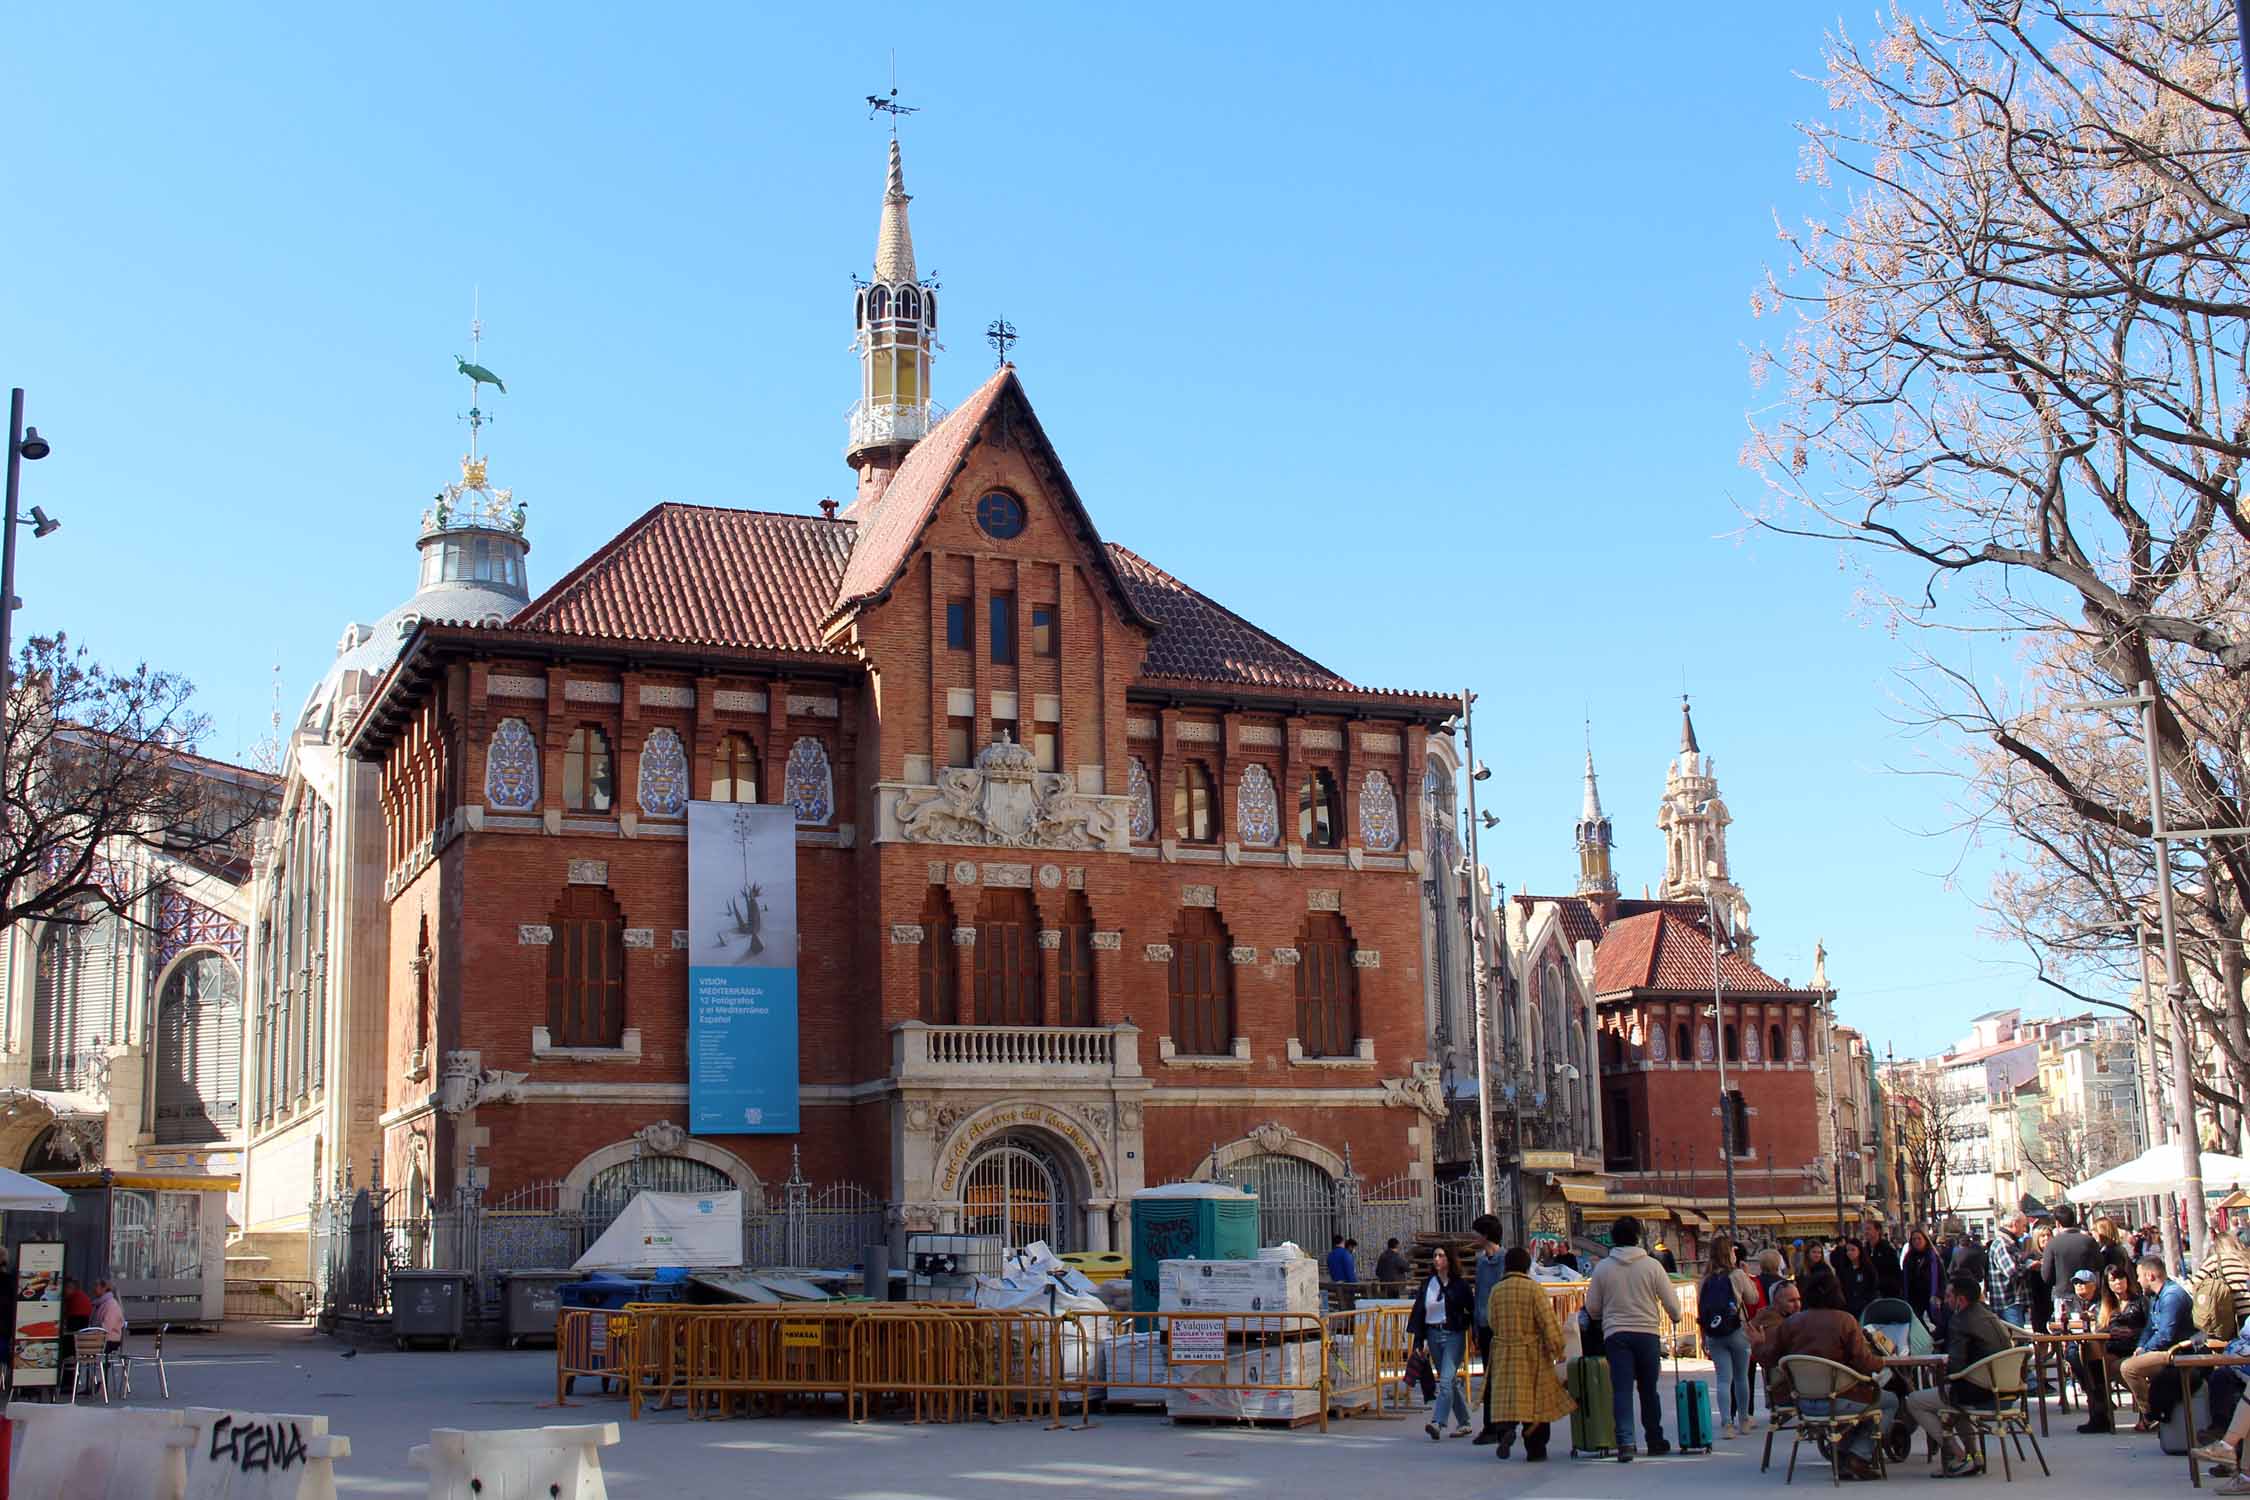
472 473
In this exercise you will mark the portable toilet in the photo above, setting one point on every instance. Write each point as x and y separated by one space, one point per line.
1189 1221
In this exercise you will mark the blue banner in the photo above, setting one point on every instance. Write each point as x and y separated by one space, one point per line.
742 968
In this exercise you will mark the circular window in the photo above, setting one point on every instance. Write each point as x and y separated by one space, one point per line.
1001 515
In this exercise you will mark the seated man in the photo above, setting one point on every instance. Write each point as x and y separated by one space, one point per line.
1972 1333
2171 1318
109 1313
1825 1328
1783 1302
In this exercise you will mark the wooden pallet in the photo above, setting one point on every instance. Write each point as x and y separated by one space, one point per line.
1279 1424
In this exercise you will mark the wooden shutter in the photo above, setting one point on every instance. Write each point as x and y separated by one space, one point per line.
1007 960
1202 986
936 966
586 970
1074 986
1327 989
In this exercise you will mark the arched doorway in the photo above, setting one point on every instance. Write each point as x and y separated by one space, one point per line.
199 1050
1019 1190
1296 1199
611 1188
57 1149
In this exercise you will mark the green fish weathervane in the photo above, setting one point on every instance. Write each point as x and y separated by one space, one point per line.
479 374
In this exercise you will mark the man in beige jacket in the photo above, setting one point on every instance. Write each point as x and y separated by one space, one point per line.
1628 1295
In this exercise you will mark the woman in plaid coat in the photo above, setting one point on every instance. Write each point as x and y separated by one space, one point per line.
1520 1383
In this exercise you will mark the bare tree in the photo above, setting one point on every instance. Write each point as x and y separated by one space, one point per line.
102 795
1932 1118
2015 383
2068 1147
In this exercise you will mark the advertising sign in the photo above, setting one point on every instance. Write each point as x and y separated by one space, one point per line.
39 1313
1197 1341
742 968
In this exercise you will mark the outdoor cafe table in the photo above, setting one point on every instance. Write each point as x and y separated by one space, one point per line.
2187 1365
2048 1350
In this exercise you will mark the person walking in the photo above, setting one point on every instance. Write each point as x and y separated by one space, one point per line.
1392 1269
1973 1332
1924 1270
1631 1297
1440 1322
1723 1311
1521 1389
1490 1260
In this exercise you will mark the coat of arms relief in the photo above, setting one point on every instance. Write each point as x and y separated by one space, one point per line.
1003 801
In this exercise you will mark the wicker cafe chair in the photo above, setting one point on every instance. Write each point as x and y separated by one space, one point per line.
1779 1414
2004 1375
1817 1379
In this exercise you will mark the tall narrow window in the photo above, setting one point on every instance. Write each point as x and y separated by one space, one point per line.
1043 630
1773 1042
937 971
1192 804
1734 1043
586 970
1004 628
1685 1051
1074 980
734 769
957 632
1007 959
1202 985
960 735
588 783
1320 821
422 983
1045 747
1327 988
1737 1123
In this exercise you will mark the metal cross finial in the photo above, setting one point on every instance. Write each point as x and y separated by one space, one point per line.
1001 335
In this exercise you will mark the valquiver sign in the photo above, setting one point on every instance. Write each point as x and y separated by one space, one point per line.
742 968
669 1229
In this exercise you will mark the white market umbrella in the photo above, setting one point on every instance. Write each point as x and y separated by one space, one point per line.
28 1195
2155 1172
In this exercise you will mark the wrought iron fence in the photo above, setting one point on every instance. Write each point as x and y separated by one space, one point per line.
359 1237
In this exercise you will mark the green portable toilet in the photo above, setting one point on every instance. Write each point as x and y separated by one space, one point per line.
1189 1221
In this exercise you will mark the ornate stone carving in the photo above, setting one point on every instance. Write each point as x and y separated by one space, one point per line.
1242 955
1322 899
946 1116
1198 732
1261 734
728 700
679 937
1272 1138
937 872
965 872
1286 955
463 1085
964 937
1199 895
535 934
589 872
1095 1115
1128 1116
918 1118
907 932
1008 877
667 695
1381 744
663 1138
1159 953
577 691
1003 800
1423 1091
1367 958
640 937
1323 739
1107 942
499 686
1050 876
809 706
1138 728
1050 938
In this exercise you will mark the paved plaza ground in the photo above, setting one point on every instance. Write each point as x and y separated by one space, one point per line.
386 1402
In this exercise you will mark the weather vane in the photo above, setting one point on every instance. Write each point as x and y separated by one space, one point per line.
479 376
887 104
1001 336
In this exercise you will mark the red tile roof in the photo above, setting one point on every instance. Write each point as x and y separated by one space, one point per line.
699 575
1658 950
889 528
1582 919
1200 639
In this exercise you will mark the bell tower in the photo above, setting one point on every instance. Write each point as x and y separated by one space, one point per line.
1595 875
1694 822
894 333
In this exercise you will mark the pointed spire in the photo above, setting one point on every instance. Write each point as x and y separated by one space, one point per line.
894 242
1592 811
1687 728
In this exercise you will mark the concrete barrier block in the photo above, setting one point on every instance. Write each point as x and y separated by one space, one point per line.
255 1455
98 1453
524 1463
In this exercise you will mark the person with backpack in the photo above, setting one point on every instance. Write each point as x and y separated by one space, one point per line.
1724 1303
2222 1284
1631 1297
2171 1318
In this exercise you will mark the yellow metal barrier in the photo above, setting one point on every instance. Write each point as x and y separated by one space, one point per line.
584 1350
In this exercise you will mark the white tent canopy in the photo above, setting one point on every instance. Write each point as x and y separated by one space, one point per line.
670 1229
28 1195
2155 1172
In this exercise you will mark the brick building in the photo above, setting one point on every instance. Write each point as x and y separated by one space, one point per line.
1648 963
1098 884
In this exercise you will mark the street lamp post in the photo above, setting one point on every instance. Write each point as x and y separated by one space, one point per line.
23 442
1488 1183
1719 1050
2150 1071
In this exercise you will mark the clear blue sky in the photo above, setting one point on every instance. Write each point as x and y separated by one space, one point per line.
1421 343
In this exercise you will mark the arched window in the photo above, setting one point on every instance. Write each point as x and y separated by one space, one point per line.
663 789
1327 988
1074 978
734 769
1737 1123
878 305
1320 821
589 782
422 985
1773 1042
586 970
1202 985
73 1018
859 319
1734 1043
929 310
1192 803
1007 959
511 768
937 974
199 1051
1683 1049
909 302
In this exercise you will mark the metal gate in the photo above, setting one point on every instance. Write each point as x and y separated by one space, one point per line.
613 1187
1019 1192
1296 1200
